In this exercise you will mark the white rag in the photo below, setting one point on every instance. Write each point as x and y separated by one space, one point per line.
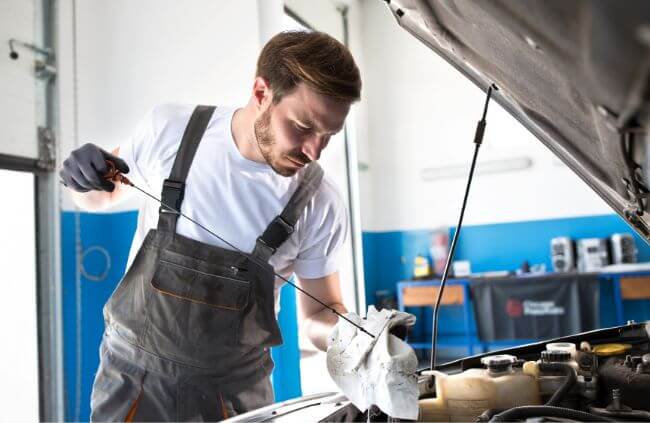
379 371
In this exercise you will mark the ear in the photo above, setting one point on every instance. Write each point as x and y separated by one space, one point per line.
262 93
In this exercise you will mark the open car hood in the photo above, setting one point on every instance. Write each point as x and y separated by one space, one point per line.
575 73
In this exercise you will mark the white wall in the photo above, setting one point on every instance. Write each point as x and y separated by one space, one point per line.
132 55
21 94
19 384
418 112
22 107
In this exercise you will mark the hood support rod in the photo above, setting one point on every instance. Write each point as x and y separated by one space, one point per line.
478 140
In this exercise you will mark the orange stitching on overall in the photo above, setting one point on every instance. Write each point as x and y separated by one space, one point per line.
180 297
223 407
134 408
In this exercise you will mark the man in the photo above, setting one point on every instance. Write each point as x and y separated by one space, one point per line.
188 329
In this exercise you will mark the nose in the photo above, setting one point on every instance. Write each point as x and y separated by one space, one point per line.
312 147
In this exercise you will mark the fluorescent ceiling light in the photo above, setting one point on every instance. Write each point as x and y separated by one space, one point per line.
486 167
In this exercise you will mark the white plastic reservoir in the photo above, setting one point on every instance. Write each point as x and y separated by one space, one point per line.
464 396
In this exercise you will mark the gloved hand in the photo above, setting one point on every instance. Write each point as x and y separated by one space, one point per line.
358 344
85 168
380 370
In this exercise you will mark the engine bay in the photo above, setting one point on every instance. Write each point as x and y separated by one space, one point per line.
601 375
597 376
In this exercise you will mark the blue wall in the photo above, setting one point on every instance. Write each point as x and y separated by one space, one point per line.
105 242
388 258
505 246
286 374
83 323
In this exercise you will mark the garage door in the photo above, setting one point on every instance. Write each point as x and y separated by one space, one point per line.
23 81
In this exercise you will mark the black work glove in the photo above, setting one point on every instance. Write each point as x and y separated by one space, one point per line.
86 166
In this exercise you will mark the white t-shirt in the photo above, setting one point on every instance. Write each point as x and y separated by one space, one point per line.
231 195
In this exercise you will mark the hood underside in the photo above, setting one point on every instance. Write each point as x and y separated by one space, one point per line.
575 73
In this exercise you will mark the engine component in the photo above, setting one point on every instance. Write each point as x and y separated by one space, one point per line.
560 352
633 415
603 381
571 377
608 350
616 409
497 364
555 356
617 373
464 396
638 364
525 412
562 346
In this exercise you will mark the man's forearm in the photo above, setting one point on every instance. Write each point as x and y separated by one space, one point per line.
319 325
91 200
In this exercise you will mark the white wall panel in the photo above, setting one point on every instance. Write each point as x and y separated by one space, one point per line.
21 95
19 382
420 113
321 14
132 55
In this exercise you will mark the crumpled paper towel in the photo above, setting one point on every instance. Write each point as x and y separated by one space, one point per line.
379 371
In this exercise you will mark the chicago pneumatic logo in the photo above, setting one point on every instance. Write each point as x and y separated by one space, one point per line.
516 308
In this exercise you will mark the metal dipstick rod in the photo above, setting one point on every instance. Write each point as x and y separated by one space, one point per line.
114 175
478 140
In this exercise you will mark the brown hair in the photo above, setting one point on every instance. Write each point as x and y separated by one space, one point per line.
315 58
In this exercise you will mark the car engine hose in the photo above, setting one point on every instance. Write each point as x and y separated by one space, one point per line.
488 414
635 415
571 379
528 411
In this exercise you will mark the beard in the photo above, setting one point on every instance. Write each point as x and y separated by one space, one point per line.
267 145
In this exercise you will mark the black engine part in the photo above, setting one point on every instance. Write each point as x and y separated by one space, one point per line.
634 386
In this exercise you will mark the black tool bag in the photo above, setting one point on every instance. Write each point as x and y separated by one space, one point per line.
535 307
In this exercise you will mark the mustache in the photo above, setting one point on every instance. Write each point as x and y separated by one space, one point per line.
300 157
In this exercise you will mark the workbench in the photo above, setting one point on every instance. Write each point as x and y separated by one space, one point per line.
423 293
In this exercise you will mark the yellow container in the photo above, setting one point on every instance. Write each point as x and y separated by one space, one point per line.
421 267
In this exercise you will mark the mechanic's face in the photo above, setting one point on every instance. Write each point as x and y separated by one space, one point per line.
293 132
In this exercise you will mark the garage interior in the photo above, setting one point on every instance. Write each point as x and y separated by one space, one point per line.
541 255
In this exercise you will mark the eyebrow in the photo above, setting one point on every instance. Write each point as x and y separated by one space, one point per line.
309 123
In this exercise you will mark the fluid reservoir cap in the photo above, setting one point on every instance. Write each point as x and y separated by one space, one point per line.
498 363
562 346
604 350
556 356
645 360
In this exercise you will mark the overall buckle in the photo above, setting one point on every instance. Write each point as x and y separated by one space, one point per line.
283 224
172 196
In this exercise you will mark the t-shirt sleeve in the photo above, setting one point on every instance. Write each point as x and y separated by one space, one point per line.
325 232
137 150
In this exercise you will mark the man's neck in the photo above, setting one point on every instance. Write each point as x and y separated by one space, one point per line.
242 128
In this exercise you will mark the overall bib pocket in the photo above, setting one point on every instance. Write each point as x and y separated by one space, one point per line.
195 307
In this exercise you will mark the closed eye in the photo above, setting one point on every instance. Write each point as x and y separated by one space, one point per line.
302 128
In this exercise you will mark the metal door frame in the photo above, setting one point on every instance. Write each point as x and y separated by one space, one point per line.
47 226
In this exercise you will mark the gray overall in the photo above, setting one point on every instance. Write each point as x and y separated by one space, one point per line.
189 327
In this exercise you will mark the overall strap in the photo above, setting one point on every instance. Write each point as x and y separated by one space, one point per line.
174 186
282 226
